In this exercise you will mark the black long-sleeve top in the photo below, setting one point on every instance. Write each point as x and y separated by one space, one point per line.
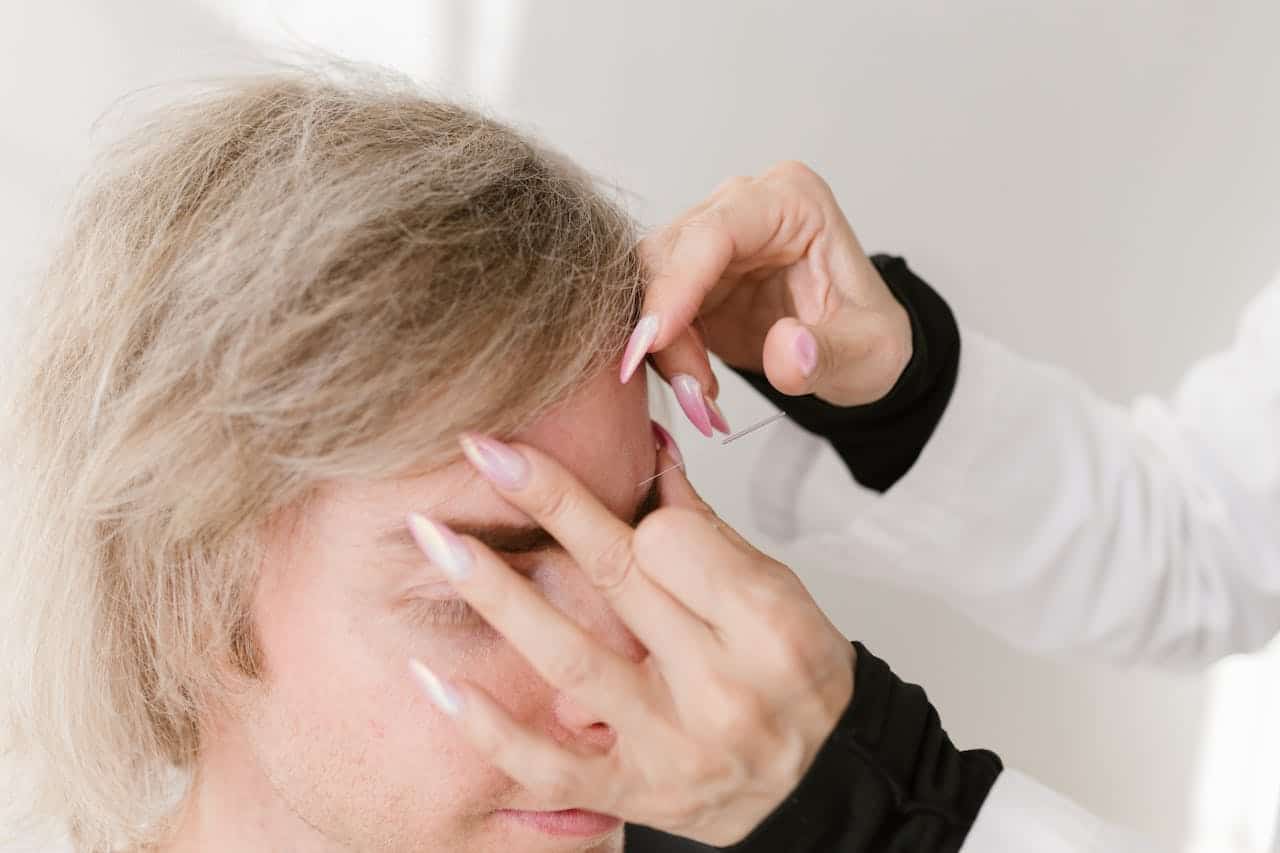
888 779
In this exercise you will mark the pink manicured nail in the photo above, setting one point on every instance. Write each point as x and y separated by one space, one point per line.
717 417
439 691
689 394
806 346
638 347
496 461
441 545
667 442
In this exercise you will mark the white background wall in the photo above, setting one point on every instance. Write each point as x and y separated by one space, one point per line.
1093 182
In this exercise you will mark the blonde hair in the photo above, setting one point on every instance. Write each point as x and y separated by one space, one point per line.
279 280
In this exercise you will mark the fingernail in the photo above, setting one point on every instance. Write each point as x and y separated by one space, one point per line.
439 691
806 346
717 417
667 442
689 394
442 546
638 347
496 461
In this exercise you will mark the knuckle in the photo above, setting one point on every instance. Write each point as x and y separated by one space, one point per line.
657 528
577 670
789 648
552 502
613 563
704 236
796 172
711 230
803 182
733 712
766 595
786 628
652 527
790 757
696 765
742 720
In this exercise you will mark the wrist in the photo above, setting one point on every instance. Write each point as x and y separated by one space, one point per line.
880 442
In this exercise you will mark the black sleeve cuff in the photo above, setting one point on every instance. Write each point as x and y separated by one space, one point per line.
887 780
879 442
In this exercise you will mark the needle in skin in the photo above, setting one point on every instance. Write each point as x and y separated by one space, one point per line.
660 473
776 416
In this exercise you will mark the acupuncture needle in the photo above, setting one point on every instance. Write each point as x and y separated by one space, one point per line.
776 416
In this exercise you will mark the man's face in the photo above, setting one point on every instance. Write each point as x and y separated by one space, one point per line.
339 733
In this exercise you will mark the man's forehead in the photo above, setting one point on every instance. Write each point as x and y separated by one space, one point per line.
601 435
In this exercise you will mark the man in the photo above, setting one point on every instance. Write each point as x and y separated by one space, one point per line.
279 304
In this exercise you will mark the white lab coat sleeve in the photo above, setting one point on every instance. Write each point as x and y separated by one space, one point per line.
1021 814
1064 522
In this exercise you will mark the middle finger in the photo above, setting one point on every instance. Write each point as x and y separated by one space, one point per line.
564 654
598 541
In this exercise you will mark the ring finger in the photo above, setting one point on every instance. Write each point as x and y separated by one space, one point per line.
561 651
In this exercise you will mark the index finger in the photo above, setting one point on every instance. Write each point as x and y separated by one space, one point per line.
749 224
599 541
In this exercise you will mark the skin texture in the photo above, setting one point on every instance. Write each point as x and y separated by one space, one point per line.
336 749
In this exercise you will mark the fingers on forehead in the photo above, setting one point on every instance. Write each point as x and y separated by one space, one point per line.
563 505
563 652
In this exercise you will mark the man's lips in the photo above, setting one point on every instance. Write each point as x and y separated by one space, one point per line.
574 822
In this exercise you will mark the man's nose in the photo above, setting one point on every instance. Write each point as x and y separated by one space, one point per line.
584 604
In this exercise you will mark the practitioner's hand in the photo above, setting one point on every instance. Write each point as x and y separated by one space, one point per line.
744 680
767 274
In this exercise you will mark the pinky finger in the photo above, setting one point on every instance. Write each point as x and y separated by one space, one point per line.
559 777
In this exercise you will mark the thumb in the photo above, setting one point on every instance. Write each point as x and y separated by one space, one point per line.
850 360
675 490
796 356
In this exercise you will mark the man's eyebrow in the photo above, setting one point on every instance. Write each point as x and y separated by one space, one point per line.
512 538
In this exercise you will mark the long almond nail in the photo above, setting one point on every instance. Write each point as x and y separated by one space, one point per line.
499 463
442 546
439 691
717 417
667 442
638 346
689 395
